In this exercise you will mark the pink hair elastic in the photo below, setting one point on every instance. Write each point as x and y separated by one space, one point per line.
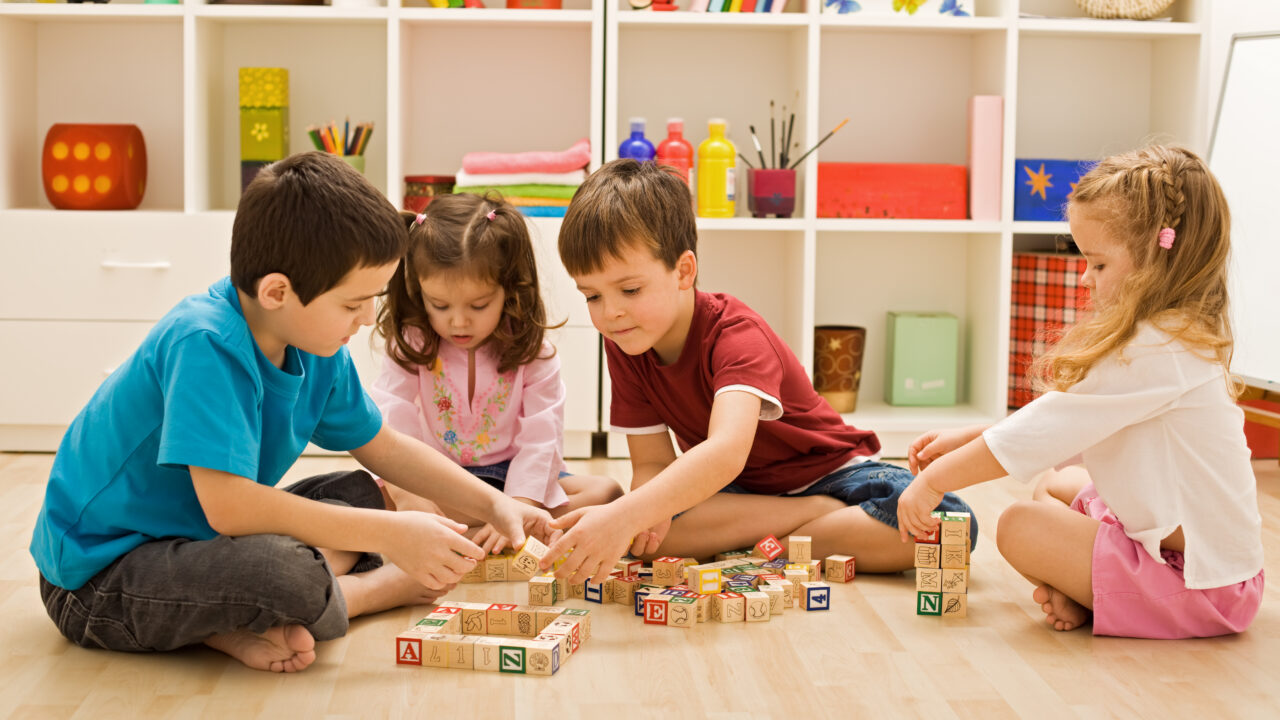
1167 236
421 218
492 214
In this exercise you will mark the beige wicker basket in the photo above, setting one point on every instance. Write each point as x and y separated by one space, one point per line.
1131 9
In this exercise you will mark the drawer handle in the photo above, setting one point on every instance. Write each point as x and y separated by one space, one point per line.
121 265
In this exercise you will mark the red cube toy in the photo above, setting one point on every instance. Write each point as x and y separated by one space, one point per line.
94 167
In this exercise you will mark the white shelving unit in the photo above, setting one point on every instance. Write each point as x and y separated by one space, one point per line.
81 288
1074 87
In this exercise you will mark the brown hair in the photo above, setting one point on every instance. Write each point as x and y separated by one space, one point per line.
456 234
313 218
626 202
1182 290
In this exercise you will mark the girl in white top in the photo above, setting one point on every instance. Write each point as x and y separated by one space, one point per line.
1163 537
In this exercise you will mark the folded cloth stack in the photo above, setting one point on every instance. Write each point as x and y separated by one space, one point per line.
539 183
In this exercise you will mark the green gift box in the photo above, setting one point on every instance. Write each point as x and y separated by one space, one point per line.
922 358
264 133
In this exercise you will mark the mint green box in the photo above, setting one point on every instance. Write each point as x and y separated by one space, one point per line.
920 368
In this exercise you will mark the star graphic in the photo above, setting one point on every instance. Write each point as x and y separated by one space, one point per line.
1039 181
833 344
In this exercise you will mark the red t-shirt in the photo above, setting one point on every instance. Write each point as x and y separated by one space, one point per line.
799 439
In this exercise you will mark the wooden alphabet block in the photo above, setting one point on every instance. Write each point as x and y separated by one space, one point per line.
928 556
593 592
435 651
799 548
704 607
775 594
475 574
955 605
562 641
769 548
928 603
499 619
524 621
629 567
511 658
756 606
409 647
788 591
544 616
461 650
839 568
704 580
485 653
583 617
577 590
732 554
542 657
815 596
668 571
954 557
928 580
569 627
682 612
954 531
524 564
475 619
930 538
655 610
496 567
542 590
814 568
732 607
955 581
624 589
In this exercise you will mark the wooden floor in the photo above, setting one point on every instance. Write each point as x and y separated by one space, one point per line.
869 654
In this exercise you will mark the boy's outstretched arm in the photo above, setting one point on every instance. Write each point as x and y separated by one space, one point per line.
430 548
600 535
415 466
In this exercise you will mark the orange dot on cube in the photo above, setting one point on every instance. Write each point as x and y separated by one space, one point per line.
82 151
102 151
102 184
81 183
60 183
60 151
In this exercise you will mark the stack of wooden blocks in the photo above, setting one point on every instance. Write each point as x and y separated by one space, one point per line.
942 567
460 635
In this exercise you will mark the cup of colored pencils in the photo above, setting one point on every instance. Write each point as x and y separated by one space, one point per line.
347 141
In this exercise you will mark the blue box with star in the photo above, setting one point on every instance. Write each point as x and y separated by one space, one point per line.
1041 187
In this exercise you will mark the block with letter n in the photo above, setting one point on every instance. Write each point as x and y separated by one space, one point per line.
511 659
928 603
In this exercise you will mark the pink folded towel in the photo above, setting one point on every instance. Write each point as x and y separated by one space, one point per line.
578 156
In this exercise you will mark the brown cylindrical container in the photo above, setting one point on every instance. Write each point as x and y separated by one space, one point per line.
837 364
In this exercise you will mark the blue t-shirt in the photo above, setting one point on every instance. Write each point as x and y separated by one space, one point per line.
197 392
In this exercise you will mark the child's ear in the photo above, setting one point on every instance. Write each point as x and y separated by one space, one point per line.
687 269
273 289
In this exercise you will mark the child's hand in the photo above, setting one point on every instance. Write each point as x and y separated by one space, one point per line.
597 540
516 517
489 539
648 541
430 548
914 508
936 443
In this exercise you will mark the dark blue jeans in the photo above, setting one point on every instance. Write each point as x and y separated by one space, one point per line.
176 592
875 487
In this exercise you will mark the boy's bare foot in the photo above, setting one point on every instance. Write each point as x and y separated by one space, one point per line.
1061 612
384 588
287 648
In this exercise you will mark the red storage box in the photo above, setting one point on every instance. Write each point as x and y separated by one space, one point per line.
884 190
1047 298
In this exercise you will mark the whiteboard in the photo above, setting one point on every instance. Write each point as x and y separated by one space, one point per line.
1244 153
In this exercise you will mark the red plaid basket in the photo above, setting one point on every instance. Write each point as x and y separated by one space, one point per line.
1046 299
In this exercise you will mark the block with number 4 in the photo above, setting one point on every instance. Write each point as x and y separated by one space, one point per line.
815 596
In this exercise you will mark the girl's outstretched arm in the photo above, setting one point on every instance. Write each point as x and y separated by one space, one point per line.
969 465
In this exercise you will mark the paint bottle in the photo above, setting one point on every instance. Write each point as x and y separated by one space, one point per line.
636 147
676 151
716 172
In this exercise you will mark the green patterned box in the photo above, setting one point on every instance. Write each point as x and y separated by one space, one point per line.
922 357
264 133
264 87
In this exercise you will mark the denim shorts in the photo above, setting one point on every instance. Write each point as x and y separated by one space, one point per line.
496 474
875 487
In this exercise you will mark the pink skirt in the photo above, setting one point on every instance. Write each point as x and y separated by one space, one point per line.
1136 596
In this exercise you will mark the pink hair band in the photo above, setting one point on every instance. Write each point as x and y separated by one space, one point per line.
421 218
492 215
1167 236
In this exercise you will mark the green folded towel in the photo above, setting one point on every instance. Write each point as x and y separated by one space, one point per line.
542 191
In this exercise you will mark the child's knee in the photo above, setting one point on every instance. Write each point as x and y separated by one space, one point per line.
1016 522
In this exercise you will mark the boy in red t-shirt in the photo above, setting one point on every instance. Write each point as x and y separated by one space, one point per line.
762 452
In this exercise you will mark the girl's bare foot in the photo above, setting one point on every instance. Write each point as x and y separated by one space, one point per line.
384 588
1061 612
288 648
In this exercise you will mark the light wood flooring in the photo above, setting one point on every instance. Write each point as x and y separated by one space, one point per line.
870 656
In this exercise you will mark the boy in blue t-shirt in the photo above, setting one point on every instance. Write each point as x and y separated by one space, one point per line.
161 526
